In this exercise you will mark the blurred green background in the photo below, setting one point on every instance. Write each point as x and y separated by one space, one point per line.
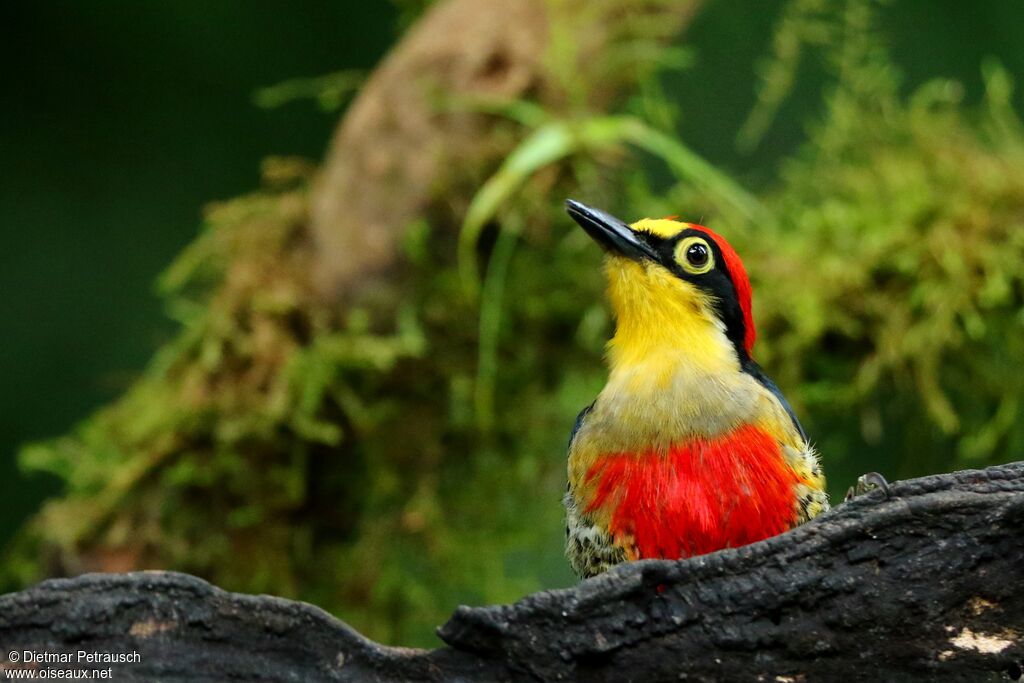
121 120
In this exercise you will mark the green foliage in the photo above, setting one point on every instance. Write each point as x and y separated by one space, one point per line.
392 461
907 220
555 140
331 91
211 454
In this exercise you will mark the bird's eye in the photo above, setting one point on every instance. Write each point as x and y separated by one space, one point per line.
694 255
697 255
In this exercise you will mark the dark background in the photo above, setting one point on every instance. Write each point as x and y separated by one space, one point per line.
120 120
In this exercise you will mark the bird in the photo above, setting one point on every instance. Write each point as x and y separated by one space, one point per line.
690 447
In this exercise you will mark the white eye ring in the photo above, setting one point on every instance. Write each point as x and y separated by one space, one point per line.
694 255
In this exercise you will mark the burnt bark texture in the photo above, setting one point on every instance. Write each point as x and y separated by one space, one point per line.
926 584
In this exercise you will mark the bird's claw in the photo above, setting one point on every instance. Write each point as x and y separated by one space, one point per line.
867 482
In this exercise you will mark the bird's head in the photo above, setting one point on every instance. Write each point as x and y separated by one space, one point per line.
674 288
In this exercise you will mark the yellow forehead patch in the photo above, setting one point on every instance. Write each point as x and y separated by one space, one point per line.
661 227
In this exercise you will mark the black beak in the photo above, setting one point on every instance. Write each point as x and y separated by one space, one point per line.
611 233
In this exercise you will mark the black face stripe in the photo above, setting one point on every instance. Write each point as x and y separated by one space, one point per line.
717 282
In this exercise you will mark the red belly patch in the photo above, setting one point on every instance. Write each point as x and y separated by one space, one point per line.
704 495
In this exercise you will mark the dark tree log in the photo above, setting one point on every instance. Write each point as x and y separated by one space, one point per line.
925 585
